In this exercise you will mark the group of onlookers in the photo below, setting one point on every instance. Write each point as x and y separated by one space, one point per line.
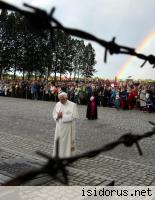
121 95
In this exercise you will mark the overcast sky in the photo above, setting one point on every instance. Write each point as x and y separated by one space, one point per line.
129 20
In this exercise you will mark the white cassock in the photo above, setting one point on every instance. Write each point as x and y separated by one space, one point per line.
65 128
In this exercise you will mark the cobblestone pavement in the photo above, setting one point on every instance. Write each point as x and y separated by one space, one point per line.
26 126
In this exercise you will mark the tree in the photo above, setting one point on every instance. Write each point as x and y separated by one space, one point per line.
62 52
78 59
41 53
89 61
15 39
4 66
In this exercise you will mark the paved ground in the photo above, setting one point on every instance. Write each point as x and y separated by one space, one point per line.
27 126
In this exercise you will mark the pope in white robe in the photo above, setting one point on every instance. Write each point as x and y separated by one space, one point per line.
65 113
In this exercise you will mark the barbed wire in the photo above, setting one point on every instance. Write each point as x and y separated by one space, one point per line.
56 167
41 20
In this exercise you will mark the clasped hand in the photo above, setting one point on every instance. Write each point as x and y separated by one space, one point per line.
60 114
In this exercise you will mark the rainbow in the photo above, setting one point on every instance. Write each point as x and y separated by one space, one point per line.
144 44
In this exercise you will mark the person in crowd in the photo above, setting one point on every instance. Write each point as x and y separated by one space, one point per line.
132 95
35 90
65 113
130 98
142 97
88 91
124 98
112 97
105 94
92 109
150 102
117 98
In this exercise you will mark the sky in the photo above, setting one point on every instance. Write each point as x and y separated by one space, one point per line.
130 21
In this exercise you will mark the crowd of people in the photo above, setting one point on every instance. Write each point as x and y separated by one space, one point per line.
121 95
